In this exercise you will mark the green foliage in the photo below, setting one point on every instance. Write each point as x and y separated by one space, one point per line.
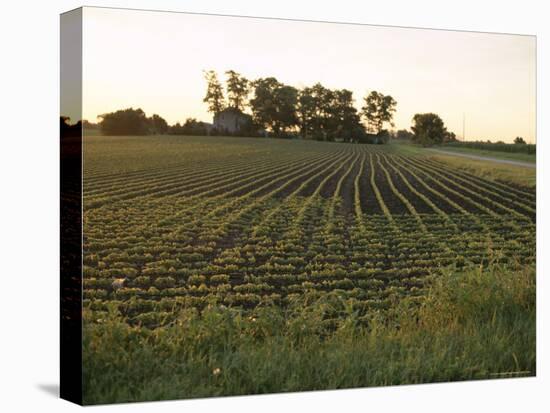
474 325
328 115
345 118
124 122
237 90
530 149
214 97
317 112
274 105
493 171
381 137
132 122
157 125
191 127
378 109
429 129
404 134
217 266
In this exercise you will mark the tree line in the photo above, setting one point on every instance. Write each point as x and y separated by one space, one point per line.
132 121
519 146
273 108
313 112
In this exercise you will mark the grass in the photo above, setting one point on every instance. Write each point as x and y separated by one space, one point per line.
403 147
522 157
516 175
477 324
92 132
398 329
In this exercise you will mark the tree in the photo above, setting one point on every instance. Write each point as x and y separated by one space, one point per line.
306 110
66 129
214 93
345 121
176 129
449 137
194 127
383 136
315 113
157 125
86 124
327 115
238 88
428 129
274 105
324 121
404 134
378 109
519 141
285 99
124 122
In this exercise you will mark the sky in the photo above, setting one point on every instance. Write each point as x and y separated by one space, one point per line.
156 60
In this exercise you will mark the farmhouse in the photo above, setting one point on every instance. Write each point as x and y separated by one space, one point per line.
231 120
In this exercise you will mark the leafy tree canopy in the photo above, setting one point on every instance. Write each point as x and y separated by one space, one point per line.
238 88
429 129
214 97
378 109
404 134
157 125
274 105
125 122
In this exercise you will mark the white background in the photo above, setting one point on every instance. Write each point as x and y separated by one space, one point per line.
29 206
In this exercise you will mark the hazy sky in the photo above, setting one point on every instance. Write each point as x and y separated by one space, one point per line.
155 60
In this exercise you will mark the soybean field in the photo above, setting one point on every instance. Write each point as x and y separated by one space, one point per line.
186 222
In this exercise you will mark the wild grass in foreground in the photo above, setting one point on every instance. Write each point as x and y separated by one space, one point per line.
478 324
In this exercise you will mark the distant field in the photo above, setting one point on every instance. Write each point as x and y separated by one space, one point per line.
174 224
523 157
493 171
504 173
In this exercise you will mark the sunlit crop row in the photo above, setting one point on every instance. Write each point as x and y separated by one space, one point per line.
265 226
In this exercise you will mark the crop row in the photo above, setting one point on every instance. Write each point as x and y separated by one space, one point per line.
373 225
